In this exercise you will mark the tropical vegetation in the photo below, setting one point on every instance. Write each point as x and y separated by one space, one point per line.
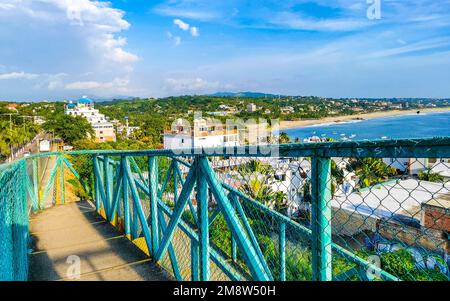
430 176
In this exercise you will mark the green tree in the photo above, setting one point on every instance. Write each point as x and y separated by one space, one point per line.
284 138
372 171
256 175
430 176
69 128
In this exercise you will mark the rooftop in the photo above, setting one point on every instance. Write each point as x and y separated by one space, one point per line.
403 197
85 100
441 202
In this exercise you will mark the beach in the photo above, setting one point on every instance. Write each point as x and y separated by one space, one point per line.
337 119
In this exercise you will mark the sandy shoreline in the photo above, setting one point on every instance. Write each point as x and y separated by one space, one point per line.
284 125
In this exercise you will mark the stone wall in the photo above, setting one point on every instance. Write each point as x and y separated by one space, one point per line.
430 239
350 223
437 218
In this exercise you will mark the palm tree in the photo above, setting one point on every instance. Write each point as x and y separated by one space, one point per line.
279 202
372 171
284 138
254 166
257 189
257 175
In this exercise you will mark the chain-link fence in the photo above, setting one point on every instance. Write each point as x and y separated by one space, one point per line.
325 212
13 222
390 212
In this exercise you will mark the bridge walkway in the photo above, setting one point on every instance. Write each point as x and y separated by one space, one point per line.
76 229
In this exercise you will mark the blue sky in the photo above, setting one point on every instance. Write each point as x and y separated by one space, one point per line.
62 49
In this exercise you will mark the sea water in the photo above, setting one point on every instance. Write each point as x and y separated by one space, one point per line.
424 125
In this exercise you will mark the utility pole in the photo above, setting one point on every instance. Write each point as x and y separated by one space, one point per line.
10 119
127 129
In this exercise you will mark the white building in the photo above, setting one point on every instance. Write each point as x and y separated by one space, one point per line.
104 130
408 166
251 107
204 134
290 178
38 120
287 110
254 133
442 167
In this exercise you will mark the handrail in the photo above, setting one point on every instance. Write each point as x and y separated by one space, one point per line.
401 148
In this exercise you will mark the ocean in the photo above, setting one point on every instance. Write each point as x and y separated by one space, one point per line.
424 125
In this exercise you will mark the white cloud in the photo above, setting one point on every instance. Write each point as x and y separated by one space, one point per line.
87 85
18 75
55 81
414 47
182 25
195 32
296 21
121 56
191 85
91 28
6 6
203 15
118 84
69 38
176 39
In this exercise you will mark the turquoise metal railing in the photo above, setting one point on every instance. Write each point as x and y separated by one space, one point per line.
194 223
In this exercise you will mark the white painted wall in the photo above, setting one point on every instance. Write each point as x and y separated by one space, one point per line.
177 141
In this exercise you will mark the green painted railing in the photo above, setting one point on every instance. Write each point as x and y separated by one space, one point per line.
200 226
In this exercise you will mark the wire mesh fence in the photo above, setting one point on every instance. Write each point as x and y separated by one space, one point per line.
13 223
290 217
392 211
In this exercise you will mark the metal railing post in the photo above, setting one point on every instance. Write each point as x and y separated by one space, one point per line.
202 205
175 181
61 179
194 260
233 199
282 250
36 181
97 183
321 219
126 199
153 189
108 185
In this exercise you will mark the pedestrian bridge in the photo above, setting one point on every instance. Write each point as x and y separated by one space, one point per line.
283 212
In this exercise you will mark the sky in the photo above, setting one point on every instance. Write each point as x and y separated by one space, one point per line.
64 49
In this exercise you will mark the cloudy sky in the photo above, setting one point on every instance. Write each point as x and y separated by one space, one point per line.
62 49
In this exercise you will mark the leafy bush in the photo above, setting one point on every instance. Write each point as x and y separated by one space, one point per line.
399 263
428 175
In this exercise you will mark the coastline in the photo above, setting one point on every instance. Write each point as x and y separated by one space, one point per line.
285 125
